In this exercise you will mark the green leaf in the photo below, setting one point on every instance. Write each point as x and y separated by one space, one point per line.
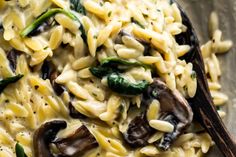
5 82
43 18
100 71
122 64
121 85
76 5
19 151
114 64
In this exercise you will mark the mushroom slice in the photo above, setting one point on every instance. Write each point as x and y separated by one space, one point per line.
12 58
74 113
174 109
76 144
49 71
45 135
138 132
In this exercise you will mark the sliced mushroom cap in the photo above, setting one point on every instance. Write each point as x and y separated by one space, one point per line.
138 132
171 101
76 144
174 109
59 89
12 58
45 135
48 72
74 113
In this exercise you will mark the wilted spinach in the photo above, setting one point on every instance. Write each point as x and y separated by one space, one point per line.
5 82
77 6
41 19
122 64
112 67
114 64
101 71
123 86
19 151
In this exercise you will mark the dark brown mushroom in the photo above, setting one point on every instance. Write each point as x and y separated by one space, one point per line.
74 113
76 144
174 109
138 132
12 58
45 135
48 71
59 89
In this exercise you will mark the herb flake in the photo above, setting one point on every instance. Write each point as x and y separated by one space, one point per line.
5 82
109 13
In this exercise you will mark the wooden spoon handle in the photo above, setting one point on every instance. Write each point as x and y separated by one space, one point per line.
207 115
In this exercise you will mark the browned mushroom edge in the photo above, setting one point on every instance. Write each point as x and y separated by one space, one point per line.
174 109
12 58
74 113
74 145
48 72
45 135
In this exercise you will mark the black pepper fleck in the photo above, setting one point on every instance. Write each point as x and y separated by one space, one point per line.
36 87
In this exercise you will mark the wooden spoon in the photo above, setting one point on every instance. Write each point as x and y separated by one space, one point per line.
202 104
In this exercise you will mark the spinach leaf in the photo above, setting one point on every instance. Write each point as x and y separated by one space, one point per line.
100 71
121 85
5 82
122 64
111 67
19 151
41 19
114 64
76 5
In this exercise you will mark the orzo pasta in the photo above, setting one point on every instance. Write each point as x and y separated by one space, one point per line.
101 78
